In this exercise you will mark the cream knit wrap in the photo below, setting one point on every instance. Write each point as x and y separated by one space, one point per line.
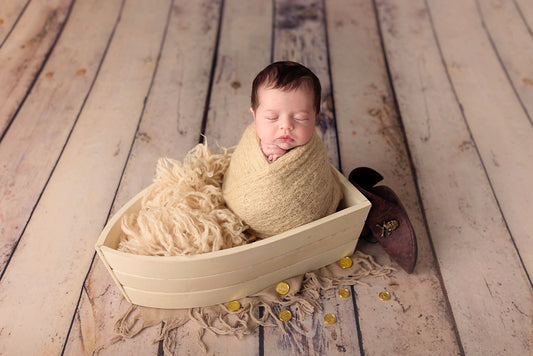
299 187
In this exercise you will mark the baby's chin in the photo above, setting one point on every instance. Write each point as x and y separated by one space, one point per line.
286 145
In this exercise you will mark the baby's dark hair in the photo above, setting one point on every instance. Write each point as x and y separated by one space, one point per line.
286 76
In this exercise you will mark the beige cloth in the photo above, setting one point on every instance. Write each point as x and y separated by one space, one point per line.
299 187
303 300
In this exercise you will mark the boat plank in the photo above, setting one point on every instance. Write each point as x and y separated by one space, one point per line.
9 15
30 149
487 287
370 135
513 44
500 127
300 35
92 161
243 50
22 56
170 127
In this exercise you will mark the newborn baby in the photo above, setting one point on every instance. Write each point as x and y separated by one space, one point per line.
285 105
279 176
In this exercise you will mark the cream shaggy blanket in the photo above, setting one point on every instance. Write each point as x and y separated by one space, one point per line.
183 212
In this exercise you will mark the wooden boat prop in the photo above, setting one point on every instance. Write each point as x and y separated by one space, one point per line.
222 276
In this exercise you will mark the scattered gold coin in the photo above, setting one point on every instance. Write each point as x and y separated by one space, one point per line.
283 288
344 293
285 315
233 306
384 296
330 319
345 262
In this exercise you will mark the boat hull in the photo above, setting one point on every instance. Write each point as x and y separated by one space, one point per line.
221 276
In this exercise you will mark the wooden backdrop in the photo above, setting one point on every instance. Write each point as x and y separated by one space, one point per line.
436 95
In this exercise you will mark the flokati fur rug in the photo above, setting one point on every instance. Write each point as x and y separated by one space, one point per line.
183 213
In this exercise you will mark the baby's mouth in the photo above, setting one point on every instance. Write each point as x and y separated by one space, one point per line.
285 138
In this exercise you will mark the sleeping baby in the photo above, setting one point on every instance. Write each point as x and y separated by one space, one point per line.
285 105
279 175
278 178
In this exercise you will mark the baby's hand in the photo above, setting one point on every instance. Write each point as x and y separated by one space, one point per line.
272 152
272 158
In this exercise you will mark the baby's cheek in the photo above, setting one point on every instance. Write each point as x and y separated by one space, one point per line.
265 139
307 137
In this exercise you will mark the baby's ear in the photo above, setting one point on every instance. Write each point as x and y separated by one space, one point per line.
252 111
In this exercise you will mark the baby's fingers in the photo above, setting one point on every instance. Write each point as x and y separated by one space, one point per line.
273 157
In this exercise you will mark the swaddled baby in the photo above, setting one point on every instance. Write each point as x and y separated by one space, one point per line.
279 175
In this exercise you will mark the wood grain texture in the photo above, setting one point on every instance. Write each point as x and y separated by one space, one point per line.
370 134
31 148
80 191
244 50
300 35
93 93
486 285
92 330
512 43
525 8
10 12
22 55
498 123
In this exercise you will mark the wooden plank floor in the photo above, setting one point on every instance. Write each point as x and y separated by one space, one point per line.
436 95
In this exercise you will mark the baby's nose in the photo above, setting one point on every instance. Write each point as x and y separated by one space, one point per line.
286 124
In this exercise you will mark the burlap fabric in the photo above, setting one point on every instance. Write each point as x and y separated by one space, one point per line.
303 300
299 187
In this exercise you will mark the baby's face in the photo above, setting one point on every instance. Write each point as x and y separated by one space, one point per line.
285 119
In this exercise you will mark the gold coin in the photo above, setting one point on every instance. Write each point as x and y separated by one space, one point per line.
233 306
285 315
330 319
344 293
345 262
283 288
384 296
